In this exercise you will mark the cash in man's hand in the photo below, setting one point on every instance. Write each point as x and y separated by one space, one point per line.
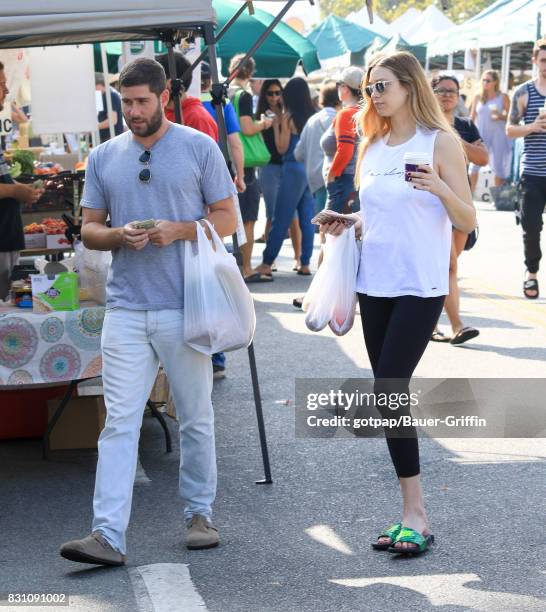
146 224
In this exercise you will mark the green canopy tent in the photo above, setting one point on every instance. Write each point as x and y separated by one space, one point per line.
335 37
279 55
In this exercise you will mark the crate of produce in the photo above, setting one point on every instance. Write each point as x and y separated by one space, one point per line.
35 237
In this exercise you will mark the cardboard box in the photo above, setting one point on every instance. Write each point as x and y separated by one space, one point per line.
57 241
171 410
80 424
35 241
160 390
55 292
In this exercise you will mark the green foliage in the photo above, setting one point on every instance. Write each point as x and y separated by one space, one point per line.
458 10
341 8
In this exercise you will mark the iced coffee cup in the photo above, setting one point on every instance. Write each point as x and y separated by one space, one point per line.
412 161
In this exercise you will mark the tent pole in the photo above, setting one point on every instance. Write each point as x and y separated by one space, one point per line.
504 68
176 83
219 92
107 94
220 34
261 39
450 61
508 60
478 64
256 45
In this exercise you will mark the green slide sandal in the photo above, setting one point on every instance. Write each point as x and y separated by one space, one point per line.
392 532
406 534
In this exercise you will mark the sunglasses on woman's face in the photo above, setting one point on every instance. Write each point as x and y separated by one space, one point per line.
488 81
145 175
378 88
274 93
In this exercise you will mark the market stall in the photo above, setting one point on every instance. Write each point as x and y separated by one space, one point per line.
63 345
60 23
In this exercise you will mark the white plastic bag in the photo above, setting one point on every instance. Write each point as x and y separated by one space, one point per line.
93 267
218 307
331 297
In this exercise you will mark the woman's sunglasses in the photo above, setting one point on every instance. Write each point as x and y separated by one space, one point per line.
378 88
274 93
145 174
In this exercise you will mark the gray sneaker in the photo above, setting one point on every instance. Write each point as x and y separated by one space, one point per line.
201 533
92 549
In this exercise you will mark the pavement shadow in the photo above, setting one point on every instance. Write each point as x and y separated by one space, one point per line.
487 322
518 352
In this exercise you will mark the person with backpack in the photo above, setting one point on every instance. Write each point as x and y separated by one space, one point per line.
340 144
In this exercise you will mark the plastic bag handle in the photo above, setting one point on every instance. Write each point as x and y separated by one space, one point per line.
214 234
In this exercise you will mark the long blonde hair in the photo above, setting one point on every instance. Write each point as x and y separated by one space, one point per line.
423 104
495 76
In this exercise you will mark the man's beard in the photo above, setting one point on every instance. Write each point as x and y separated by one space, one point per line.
148 127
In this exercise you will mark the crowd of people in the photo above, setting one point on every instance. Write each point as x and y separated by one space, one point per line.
346 152
308 144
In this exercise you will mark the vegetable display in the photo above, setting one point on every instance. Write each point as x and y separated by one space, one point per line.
25 159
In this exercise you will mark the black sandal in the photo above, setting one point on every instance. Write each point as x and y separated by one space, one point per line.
464 334
530 285
438 336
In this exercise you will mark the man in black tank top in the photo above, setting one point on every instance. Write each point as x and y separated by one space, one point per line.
529 105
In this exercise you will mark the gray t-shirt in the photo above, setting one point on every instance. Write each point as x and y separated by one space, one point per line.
188 173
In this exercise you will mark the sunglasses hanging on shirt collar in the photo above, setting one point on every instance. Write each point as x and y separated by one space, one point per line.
145 174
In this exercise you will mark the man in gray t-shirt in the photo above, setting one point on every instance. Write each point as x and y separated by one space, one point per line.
176 176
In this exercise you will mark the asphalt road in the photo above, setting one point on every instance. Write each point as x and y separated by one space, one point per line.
303 543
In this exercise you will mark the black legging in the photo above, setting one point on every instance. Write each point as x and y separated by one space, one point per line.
396 332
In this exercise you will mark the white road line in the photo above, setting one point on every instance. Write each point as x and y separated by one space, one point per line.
165 587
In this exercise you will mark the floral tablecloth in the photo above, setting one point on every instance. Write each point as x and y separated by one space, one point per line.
49 348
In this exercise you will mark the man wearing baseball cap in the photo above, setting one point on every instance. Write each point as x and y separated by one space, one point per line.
340 145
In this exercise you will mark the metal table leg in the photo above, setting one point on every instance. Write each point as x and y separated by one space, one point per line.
60 409
161 419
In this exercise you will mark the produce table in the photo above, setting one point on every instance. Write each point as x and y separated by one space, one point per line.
44 349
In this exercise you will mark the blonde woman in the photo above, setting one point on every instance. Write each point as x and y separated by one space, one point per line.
489 111
406 221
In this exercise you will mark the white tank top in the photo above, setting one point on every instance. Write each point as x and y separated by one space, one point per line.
406 233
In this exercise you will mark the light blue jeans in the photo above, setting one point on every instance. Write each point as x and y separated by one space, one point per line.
134 342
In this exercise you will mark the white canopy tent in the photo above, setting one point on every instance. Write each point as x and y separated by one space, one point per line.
427 25
33 23
380 26
405 20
